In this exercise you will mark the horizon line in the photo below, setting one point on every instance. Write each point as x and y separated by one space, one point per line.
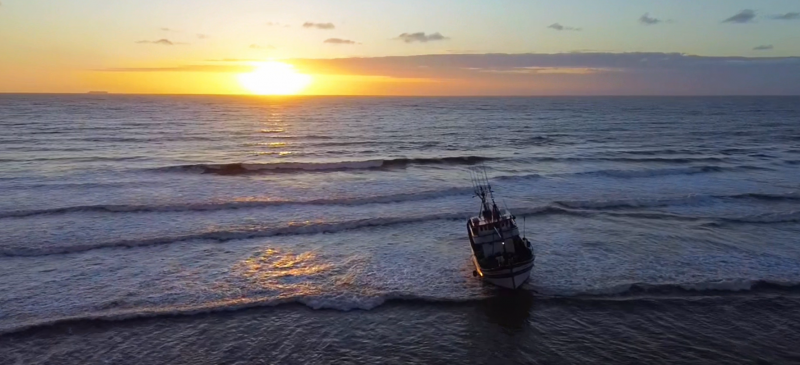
404 95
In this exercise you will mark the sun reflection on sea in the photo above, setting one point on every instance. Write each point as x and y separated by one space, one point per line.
273 268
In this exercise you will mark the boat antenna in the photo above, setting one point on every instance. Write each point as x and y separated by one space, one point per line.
477 189
523 227
488 185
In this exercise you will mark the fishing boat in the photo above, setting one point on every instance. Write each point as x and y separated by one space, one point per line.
500 255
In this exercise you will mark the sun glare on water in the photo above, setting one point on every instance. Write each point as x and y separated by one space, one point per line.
274 78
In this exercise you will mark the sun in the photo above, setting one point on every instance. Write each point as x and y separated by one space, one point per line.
274 78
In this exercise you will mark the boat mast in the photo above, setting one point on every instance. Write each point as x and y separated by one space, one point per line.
491 193
481 189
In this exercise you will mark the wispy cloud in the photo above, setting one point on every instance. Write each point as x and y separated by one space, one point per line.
549 70
234 60
421 37
203 36
163 42
165 29
260 47
646 19
744 16
463 51
787 16
325 26
765 47
560 27
277 24
339 41
185 68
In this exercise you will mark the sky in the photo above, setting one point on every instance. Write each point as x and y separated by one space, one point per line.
411 47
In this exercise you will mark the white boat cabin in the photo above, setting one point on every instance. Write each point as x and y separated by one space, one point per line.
494 234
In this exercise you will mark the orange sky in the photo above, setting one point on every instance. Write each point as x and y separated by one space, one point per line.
416 47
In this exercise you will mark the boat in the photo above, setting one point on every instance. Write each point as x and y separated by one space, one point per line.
500 255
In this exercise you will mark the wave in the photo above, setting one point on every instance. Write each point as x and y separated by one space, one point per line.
232 234
670 201
652 172
348 303
384 199
616 173
393 198
630 203
763 196
645 173
703 287
246 168
233 305
768 218
224 235
229 205
674 160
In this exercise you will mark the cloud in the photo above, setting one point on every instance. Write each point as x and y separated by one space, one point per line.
234 60
185 68
203 36
463 51
766 47
278 24
787 16
599 73
744 16
166 29
325 26
560 27
421 37
550 70
163 42
646 19
339 41
256 46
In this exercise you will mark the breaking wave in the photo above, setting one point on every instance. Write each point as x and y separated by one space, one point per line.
249 168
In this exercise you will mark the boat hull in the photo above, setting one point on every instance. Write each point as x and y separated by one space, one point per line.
510 278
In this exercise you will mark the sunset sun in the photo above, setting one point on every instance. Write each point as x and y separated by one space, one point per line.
274 78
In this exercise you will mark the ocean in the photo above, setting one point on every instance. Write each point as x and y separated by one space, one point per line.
318 230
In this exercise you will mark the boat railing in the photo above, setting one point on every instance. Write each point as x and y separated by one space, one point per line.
482 227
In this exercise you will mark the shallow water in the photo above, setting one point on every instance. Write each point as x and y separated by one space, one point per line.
665 229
